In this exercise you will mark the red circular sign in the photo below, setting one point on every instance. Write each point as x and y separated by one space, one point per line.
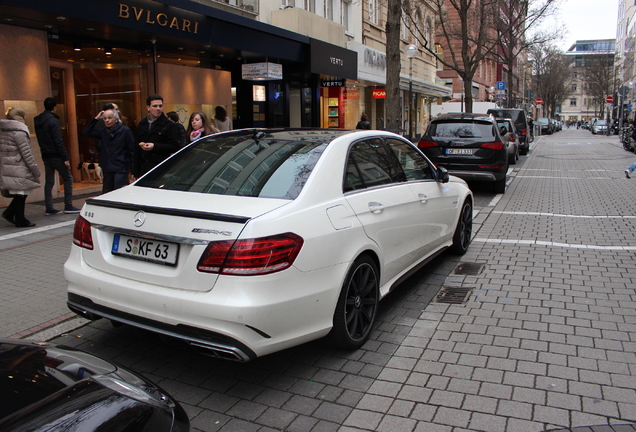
609 99
539 101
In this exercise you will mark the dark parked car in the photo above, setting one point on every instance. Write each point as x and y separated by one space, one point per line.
45 387
519 117
469 146
546 126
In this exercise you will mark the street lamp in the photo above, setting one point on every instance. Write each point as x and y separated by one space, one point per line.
411 52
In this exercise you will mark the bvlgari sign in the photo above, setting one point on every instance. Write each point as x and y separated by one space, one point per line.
162 19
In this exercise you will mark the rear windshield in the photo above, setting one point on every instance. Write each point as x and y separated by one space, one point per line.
506 124
241 164
465 129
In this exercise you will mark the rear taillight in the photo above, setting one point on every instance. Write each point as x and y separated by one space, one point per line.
252 256
524 132
493 145
512 137
426 144
82 236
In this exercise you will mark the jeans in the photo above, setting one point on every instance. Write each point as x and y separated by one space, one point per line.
632 168
50 166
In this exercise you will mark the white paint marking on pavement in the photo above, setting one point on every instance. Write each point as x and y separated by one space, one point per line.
36 230
566 178
563 215
495 200
555 244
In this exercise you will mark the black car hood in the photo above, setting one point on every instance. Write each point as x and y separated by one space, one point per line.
46 387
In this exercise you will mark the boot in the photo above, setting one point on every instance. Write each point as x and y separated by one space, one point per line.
9 212
18 217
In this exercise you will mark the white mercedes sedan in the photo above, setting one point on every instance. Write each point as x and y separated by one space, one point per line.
252 241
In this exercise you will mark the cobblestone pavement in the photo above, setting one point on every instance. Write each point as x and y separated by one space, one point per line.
545 340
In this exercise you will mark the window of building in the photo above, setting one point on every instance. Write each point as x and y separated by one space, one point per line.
346 11
573 87
374 11
310 5
329 9
575 75
573 102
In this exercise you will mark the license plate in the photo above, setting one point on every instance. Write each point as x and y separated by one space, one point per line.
456 151
155 251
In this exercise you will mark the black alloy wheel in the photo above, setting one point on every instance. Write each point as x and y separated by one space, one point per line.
464 231
357 305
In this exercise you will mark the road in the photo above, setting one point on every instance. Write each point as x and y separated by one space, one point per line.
546 338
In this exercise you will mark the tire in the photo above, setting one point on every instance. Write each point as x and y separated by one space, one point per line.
357 305
500 186
464 230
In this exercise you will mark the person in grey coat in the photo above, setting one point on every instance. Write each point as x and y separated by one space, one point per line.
19 173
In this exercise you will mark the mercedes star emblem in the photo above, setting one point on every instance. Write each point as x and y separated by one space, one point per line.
139 219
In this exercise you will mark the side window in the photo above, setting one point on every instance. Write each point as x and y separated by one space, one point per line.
370 164
413 164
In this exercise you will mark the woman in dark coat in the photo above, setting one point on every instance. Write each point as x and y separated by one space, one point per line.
117 153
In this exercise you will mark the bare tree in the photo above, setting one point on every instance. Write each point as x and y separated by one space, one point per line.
599 76
393 63
551 75
465 30
519 28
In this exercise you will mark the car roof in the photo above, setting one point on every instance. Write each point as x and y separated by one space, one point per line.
464 116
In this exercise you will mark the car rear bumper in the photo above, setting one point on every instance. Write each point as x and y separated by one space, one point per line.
239 319
487 176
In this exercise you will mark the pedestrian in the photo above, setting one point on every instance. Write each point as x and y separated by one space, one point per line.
19 173
199 126
117 151
54 157
364 122
172 115
157 137
221 120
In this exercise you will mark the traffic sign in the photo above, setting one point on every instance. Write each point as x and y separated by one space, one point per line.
609 99
501 85
539 101
629 107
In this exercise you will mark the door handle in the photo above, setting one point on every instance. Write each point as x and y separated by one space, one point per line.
423 198
376 207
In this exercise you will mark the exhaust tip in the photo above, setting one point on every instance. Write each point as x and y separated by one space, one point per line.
220 353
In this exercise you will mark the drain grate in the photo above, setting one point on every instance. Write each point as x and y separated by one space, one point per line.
468 268
453 295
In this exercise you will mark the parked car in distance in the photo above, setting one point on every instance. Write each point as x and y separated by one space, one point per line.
546 126
599 126
522 124
508 133
252 241
468 146
47 387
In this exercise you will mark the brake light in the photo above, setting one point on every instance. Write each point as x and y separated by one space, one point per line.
252 256
425 144
512 137
82 236
493 145
524 132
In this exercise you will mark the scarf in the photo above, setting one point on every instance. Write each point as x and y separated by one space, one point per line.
195 135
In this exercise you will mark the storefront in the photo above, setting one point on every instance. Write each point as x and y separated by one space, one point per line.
88 53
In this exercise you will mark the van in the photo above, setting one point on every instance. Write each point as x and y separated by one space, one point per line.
519 117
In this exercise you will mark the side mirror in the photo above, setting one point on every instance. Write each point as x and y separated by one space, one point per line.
442 175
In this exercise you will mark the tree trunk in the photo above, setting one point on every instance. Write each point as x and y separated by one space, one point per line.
393 66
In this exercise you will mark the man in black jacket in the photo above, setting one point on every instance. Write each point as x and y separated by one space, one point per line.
54 156
157 136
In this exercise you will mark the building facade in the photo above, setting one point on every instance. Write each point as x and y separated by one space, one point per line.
584 102
193 53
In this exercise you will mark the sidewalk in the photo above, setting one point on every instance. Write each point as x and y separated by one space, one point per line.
34 299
